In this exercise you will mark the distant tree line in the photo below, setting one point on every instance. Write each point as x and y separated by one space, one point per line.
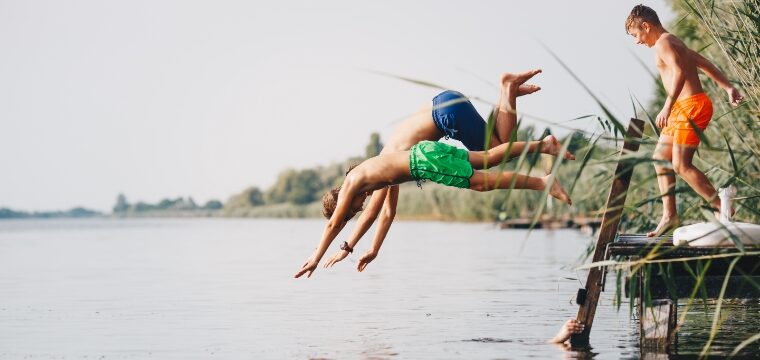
77 212
295 190
176 205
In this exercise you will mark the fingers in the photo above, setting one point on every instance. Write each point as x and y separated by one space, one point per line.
574 326
735 97
306 267
361 266
332 261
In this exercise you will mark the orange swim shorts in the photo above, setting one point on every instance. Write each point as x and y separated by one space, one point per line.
699 109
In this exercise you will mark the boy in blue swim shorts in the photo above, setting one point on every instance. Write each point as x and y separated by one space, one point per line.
453 116
427 160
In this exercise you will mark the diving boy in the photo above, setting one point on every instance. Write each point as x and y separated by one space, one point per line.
686 102
451 115
427 160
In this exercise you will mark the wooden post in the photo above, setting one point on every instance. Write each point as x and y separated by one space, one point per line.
658 323
608 231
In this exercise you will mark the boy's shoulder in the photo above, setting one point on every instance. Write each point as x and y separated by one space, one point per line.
669 41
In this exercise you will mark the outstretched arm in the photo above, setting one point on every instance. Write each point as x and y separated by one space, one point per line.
367 218
386 219
716 75
333 227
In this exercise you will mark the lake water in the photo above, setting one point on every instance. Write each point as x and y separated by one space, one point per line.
224 288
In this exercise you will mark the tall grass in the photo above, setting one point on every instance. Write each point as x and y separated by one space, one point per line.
727 33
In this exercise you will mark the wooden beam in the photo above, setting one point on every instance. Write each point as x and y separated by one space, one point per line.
658 323
608 231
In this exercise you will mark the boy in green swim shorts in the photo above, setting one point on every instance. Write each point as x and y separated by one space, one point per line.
459 120
427 160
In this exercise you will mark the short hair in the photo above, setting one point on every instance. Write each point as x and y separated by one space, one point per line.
639 14
330 202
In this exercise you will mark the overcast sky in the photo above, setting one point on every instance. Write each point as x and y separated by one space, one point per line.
159 99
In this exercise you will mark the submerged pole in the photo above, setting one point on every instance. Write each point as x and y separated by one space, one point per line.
610 221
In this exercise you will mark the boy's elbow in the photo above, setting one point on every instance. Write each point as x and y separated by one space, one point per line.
334 225
389 214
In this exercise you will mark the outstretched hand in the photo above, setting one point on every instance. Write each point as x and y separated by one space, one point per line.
365 260
734 96
340 255
308 267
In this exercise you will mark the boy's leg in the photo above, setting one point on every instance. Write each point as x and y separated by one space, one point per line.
486 181
487 159
666 181
506 115
682 164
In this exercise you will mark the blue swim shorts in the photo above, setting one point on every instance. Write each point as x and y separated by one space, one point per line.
455 116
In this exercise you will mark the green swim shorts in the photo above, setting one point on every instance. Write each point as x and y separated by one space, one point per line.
440 163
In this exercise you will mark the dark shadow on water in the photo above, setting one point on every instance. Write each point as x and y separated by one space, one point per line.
492 340
576 352
568 351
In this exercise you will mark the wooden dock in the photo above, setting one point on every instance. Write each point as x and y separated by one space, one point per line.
703 272
588 224
669 272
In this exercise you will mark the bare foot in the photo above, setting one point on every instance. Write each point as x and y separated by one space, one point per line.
550 145
527 89
509 79
666 224
557 191
570 327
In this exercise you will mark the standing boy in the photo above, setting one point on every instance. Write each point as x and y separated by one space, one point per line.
686 103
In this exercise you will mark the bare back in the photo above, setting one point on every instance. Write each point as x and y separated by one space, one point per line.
416 128
380 171
685 60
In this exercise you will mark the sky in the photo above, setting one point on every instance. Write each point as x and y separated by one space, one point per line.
157 99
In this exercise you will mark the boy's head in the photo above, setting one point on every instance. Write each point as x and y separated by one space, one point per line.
641 23
330 202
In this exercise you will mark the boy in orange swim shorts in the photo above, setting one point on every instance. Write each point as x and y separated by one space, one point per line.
697 108
686 103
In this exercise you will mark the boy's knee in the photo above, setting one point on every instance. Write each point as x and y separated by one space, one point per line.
680 167
659 156
662 166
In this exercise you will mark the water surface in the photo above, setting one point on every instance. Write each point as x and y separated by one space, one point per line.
219 288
